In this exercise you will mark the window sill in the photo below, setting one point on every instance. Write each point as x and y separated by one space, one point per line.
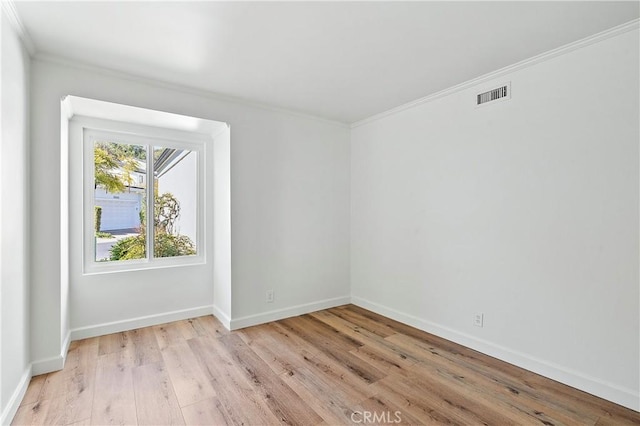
98 268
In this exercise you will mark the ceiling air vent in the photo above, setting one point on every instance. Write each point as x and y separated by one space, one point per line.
501 93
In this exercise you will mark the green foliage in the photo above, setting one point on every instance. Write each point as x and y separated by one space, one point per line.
129 248
104 235
105 164
114 164
123 150
166 243
166 211
97 217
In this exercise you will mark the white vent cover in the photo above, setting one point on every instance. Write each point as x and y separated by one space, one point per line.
502 93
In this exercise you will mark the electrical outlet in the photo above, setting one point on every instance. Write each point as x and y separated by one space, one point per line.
478 319
270 296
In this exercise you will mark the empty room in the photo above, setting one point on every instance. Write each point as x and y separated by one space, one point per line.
320 213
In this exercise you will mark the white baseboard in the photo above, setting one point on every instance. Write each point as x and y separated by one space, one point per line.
65 347
292 311
10 410
55 363
609 391
222 317
47 365
133 323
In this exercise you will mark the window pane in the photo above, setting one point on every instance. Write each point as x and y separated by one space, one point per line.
119 193
175 202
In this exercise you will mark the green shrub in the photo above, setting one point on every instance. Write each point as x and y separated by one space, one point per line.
165 245
97 218
103 235
128 248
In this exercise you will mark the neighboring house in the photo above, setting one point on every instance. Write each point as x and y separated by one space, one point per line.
121 210
175 172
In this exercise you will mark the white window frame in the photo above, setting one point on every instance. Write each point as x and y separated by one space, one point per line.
82 132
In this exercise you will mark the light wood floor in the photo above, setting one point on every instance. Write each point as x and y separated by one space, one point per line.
330 367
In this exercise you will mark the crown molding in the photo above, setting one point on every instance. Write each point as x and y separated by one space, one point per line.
579 44
9 8
109 72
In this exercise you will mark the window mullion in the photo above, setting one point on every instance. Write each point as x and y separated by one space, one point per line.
151 181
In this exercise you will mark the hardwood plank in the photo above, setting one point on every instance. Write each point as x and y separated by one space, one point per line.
503 388
33 413
168 334
266 352
583 402
295 344
209 326
341 376
145 346
284 403
322 397
358 322
71 390
189 381
431 340
426 408
383 360
320 368
337 350
628 419
206 412
234 391
156 402
463 403
114 400
34 389
331 336
113 343
504 397
189 328
269 348
51 411
388 412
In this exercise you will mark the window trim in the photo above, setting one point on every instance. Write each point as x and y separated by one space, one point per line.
80 128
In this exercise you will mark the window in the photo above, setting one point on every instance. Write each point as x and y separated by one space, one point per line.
143 197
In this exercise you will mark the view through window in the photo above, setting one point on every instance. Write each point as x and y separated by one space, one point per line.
141 190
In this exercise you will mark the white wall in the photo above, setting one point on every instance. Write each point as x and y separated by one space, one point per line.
222 227
289 208
289 214
525 210
14 278
181 181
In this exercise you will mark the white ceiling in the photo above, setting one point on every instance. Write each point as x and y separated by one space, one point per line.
337 60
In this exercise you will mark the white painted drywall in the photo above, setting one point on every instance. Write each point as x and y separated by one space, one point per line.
221 167
289 208
14 277
526 210
289 213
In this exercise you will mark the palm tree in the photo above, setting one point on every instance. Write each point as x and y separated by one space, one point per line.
114 165
106 163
